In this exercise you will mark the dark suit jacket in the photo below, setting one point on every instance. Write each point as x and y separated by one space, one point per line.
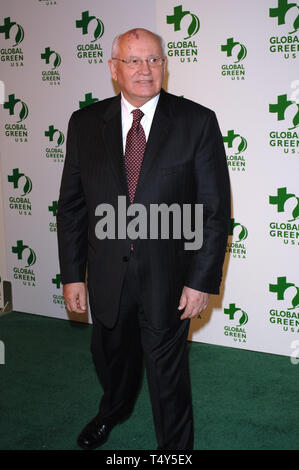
184 162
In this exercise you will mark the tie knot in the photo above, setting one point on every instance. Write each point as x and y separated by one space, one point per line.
137 115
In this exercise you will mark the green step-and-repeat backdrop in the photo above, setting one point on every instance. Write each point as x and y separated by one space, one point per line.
237 57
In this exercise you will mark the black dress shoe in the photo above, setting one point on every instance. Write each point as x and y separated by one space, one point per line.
93 435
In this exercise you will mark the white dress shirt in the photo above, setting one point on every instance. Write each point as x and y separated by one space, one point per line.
148 110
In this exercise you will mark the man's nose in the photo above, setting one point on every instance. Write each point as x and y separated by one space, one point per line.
144 68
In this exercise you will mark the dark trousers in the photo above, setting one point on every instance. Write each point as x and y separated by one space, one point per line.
118 357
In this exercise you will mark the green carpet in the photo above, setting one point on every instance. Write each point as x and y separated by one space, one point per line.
49 391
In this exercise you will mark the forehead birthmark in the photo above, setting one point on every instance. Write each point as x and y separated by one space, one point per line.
128 39
134 33
129 36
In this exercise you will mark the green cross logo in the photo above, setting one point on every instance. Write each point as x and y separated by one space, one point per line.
19 250
14 179
243 233
231 312
280 13
10 105
50 134
88 100
281 287
280 108
57 281
6 29
231 136
53 208
176 19
84 25
281 198
46 57
230 45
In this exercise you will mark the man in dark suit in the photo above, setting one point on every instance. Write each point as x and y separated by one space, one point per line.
149 147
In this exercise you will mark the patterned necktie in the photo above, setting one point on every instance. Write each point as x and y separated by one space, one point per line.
135 147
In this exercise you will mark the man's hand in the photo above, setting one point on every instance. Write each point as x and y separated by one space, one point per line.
193 301
75 297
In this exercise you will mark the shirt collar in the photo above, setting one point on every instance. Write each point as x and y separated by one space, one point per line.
148 108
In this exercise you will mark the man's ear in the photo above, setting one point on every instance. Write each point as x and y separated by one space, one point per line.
165 64
112 67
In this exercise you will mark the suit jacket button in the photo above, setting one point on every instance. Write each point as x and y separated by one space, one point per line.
125 259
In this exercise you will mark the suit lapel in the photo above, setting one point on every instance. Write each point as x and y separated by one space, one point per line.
160 128
112 136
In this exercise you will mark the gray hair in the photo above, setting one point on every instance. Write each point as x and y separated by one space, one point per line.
115 43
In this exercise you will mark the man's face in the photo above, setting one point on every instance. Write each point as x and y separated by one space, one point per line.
138 85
